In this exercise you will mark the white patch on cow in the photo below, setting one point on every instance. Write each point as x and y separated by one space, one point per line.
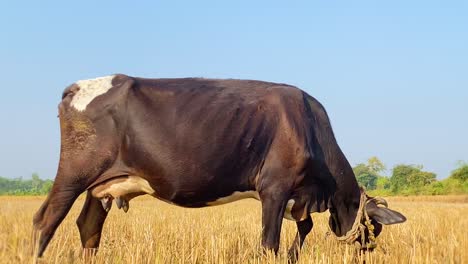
235 196
90 89
119 187
287 211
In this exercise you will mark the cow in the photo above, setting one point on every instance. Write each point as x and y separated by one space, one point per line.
197 142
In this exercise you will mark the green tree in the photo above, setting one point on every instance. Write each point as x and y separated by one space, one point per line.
368 174
367 180
375 165
461 173
46 186
36 182
360 168
18 186
421 178
399 178
383 183
410 177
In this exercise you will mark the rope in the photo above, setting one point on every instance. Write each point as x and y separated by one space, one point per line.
358 228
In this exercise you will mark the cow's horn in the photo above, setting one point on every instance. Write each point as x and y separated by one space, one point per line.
381 201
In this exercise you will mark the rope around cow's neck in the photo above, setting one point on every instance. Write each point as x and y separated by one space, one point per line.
358 228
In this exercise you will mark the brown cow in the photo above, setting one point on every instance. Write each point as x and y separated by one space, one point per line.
201 142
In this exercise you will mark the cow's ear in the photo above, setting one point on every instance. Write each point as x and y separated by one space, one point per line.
384 215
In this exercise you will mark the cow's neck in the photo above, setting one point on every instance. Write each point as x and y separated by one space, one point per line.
343 204
342 185
346 195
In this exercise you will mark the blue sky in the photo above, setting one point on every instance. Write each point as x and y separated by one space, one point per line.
393 75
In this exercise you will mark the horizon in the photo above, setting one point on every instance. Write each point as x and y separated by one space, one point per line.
392 76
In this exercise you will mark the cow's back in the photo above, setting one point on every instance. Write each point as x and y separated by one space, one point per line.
206 138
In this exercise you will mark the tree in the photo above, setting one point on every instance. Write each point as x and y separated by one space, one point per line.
399 178
367 180
18 186
360 168
46 186
461 173
410 176
36 182
375 165
421 178
367 174
383 183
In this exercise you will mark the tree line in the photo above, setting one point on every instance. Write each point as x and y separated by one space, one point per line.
20 186
406 179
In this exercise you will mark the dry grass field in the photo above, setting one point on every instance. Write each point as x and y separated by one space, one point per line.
155 232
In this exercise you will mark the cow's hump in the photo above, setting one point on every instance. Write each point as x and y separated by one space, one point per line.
90 89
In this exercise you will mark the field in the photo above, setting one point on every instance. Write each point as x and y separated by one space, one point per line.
155 232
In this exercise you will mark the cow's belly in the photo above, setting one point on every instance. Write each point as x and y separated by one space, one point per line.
235 196
123 189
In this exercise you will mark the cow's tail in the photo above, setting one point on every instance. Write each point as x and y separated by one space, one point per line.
51 213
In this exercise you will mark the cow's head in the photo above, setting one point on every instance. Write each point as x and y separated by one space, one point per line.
370 213
376 214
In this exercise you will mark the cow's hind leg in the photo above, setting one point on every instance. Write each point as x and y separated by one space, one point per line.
273 207
90 223
303 229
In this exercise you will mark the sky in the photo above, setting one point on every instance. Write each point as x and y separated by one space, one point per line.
393 75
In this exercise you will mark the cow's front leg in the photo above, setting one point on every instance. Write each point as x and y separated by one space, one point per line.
273 207
303 229
90 223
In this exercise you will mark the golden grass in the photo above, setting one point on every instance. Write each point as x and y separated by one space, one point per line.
430 198
155 232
